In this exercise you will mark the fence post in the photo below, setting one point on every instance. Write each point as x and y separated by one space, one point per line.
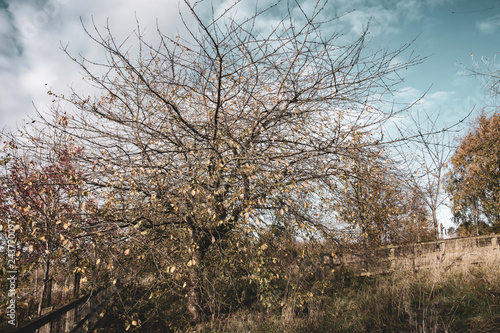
47 293
494 242
45 306
76 285
392 259
72 315
70 319
47 328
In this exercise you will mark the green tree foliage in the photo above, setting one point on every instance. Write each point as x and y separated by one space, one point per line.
474 180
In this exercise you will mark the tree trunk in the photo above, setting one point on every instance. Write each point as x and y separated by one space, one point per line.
435 222
45 298
436 232
194 296
194 285
476 217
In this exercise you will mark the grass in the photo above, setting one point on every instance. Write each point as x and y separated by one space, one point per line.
460 296
450 292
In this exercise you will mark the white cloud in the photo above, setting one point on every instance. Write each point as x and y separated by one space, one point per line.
382 21
440 96
433 101
410 10
489 26
408 95
387 17
40 28
14 102
5 28
427 102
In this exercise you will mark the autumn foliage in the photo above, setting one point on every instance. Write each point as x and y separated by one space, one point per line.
474 180
215 171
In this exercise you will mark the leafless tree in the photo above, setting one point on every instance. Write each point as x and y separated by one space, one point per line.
425 162
487 70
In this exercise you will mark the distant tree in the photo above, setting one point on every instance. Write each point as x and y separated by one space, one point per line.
474 179
424 160
381 207
198 139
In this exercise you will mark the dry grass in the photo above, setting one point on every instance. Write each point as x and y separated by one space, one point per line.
457 291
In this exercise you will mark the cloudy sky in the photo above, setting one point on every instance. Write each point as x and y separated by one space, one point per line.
453 34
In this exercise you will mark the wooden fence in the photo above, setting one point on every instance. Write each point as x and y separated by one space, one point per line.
81 315
444 254
85 313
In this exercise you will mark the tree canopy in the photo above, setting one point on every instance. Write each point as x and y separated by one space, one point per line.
195 141
474 180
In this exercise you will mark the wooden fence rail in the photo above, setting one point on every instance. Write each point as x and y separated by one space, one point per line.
442 253
81 315
84 314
